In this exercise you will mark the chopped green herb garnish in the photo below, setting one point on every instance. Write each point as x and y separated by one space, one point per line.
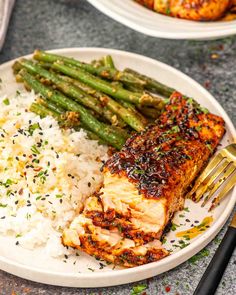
28 216
175 129
201 254
186 209
168 11
164 241
138 171
136 290
209 147
35 150
217 241
203 110
198 128
32 128
6 101
3 205
59 196
174 226
190 100
7 183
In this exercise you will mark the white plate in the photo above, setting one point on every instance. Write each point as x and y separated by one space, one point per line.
154 24
37 266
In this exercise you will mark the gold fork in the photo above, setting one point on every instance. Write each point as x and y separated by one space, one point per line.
219 174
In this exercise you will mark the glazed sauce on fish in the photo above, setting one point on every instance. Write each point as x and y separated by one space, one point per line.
195 231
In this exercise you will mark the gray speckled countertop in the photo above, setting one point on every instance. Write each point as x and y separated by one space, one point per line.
75 23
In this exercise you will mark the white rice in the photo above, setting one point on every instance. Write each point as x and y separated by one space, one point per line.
45 175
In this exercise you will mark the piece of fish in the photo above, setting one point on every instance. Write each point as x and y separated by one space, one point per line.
145 184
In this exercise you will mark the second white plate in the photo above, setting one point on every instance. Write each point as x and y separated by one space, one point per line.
154 24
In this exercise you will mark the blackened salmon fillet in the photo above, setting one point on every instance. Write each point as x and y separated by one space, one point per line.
145 184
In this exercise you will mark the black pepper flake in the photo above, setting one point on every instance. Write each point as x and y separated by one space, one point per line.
66 256
89 184
16 202
17 243
101 265
28 205
57 156
41 133
187 220
196 221
3 217
17 158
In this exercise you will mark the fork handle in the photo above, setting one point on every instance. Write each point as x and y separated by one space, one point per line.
215 270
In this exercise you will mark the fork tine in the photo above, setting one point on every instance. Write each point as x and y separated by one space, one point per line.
218 184
209 180
223 192
210 167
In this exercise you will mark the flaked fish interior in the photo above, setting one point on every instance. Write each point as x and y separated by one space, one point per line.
145 184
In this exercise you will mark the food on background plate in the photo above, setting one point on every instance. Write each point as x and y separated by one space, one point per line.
196 10
155 139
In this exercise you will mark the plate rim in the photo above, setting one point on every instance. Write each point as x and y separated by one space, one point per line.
219 33
186 253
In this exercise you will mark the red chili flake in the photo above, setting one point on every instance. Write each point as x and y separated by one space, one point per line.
203 67
207 84
21 191
37 169
54 169
167 288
